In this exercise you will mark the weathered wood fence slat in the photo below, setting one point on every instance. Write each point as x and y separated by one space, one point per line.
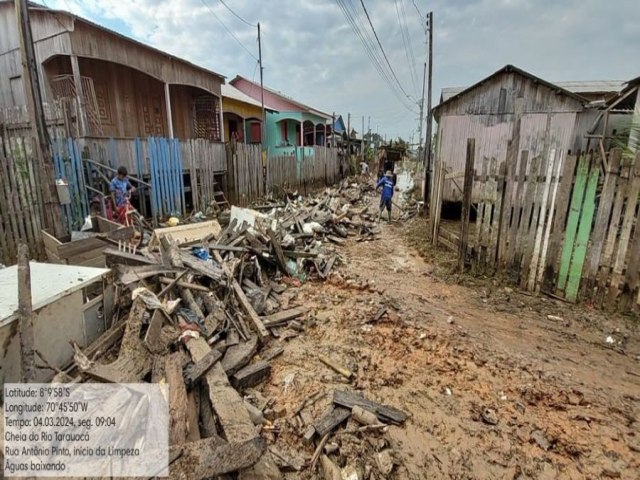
554 224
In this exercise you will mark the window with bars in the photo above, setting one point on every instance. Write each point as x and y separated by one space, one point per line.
206 112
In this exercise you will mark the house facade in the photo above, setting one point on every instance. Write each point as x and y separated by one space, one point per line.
289 124
124 89
242 116
509 104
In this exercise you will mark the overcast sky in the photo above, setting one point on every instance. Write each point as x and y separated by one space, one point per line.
311 53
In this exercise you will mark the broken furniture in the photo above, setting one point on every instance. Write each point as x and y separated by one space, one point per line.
88 251
70 303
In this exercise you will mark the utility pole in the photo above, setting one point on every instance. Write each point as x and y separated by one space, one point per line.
333 133
45 173
362 142
348 135
427 143
264 119
424 80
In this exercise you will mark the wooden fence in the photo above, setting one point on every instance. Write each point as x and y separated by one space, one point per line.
21 199
560 223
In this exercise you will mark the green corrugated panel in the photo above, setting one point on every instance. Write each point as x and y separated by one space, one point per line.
584 230
572 221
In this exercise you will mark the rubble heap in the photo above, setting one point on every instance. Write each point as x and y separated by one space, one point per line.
205 316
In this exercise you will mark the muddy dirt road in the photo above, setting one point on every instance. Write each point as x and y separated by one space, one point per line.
497 384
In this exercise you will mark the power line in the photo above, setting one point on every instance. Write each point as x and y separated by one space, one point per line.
229 31
406 42
367 43
418 10
382 49
237 16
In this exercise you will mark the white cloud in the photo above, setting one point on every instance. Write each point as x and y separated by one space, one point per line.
311 53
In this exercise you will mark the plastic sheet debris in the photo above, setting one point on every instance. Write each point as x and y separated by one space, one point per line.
201 253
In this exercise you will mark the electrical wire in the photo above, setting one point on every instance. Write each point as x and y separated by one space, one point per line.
375 60
383 52
228 31
237 16
404 31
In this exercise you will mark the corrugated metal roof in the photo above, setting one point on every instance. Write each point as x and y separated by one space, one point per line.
287 98
574 86
593 86
232 92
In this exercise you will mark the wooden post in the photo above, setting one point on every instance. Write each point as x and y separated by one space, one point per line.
45 172
27 365
427 140
83 121
466 200
167 103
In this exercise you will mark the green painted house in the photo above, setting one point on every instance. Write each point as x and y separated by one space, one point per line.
290 125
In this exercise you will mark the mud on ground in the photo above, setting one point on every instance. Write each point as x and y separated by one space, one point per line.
494 387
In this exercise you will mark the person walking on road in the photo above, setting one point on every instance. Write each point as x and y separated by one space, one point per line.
386 198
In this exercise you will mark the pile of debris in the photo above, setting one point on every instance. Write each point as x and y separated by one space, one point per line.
199 307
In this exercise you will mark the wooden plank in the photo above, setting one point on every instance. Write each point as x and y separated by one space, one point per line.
152 339
466 202
527 212
549 223
330 420
211 458
625 234
177 399
237 356
225 400
275 244
584 229
283 316
243 300
557 233
602 218
572 222
251 375
77 247
385 413
114 257
518 210
194 371
532 227
632 273
542 219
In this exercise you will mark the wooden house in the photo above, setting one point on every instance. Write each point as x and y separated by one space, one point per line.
289 123
125 89
507 105
242 115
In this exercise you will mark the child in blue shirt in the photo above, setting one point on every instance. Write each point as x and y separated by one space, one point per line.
119 187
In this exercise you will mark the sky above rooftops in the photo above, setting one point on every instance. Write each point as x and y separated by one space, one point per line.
311 53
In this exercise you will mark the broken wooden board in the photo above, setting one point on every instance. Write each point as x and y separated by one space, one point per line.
243 300
114 257
225 400
337 240
132 274
251 375
229 407
152 338
121 234
239 355
275 244
210 458
186 233
330 420
134 360
196 370
385 413
283 317
177 399
200 266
